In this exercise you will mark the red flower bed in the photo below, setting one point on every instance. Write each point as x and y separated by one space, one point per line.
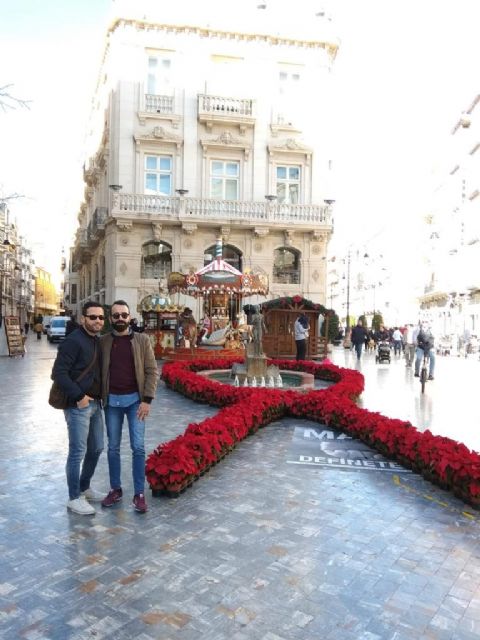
174 465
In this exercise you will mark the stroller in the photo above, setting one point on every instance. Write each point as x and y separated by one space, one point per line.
383 352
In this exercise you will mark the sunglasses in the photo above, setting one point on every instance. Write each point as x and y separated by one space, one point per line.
92 317
117 316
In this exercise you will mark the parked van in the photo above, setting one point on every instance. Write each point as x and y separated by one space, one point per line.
57 328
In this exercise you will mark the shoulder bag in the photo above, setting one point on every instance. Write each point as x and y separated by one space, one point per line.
57 398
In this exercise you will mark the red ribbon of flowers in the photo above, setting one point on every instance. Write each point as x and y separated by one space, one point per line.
174 465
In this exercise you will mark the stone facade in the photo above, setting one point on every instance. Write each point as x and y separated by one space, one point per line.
201 133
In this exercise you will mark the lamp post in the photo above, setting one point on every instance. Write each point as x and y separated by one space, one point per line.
348 290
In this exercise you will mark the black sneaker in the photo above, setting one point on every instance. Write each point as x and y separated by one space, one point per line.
431 378
417 375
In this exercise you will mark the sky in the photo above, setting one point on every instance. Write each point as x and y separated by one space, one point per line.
404 72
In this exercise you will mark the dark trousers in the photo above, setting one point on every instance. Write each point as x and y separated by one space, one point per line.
301 349
39 335
358 348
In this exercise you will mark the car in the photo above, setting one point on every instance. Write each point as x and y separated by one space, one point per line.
57 328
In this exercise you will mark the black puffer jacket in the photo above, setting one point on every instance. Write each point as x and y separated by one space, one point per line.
75 353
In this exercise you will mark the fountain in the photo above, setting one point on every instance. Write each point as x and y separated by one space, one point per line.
255 372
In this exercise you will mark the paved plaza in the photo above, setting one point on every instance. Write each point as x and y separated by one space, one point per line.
258 548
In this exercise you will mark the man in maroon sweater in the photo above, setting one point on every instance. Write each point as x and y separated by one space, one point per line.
129 382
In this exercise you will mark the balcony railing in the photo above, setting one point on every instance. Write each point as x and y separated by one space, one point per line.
220 105
159 104
178 208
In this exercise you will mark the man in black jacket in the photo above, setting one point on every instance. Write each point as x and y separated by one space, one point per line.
80 352
359 334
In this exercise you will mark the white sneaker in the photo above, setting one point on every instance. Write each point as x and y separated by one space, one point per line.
92 495
81 506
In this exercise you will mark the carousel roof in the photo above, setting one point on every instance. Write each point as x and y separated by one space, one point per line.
218 265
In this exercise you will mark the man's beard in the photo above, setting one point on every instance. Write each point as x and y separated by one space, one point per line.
120 326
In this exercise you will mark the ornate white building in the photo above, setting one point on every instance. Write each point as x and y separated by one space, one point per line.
207 127
451 296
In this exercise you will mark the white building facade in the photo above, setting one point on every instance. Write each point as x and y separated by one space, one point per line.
201 132
451 298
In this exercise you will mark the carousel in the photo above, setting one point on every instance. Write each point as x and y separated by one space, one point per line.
219 290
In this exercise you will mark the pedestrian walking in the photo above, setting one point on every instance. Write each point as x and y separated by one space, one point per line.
129 382
77 372
359 334
26 327
38 328
397 341
301 332
410 344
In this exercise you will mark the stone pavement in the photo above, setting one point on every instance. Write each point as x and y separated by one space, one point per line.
257 549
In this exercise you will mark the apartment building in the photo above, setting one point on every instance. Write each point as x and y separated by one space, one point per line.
451 296
207 127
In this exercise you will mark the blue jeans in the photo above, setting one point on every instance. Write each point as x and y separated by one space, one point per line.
419 358
85 444
117 408
358 348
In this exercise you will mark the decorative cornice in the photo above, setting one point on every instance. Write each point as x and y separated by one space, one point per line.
261 232
159 134
226 139
289 145
205 32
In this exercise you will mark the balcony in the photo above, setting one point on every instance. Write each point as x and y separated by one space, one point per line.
223 110
158 107
152 208
96 227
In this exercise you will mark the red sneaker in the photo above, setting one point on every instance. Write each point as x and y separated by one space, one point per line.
114 496
139 503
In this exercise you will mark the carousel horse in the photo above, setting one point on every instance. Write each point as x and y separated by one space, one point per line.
187 331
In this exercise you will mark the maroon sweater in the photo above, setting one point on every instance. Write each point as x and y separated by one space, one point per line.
122 366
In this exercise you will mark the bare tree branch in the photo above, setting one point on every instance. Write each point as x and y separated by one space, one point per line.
7 101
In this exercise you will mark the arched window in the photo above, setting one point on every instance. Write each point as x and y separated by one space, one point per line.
286 266
230 254
156 259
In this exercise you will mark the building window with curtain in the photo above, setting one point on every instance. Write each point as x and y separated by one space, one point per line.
156 260
286 266
158 175
224 179
288 184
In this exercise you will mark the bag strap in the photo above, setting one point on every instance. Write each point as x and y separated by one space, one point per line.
85 371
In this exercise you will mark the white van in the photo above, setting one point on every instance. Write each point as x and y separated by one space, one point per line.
57 328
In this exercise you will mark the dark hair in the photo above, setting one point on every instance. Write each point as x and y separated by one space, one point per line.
88 305
303 321
121 303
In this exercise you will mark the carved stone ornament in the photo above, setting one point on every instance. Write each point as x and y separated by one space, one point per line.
316 249
315 276
318 235
123 268
160 133
288 236
258 246
225 233
261 232
189 228
187 243
124 225
156 231
124 241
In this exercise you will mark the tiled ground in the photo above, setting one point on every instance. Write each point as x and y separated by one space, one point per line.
257 549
